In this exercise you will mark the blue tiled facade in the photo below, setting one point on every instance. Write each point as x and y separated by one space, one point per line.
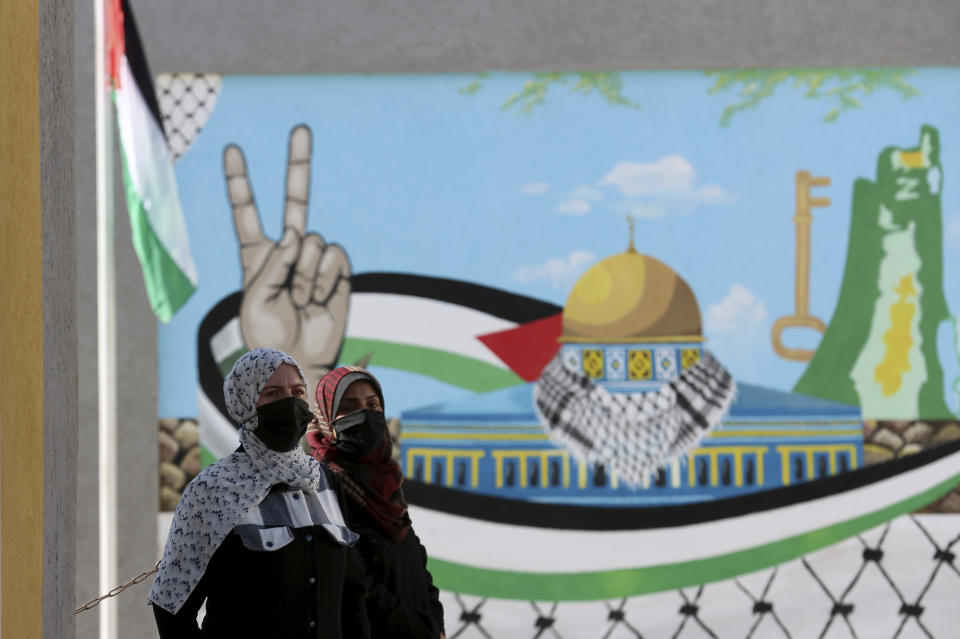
494 444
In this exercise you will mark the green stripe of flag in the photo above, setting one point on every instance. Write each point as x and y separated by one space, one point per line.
167 286
158 228
627 582
452 368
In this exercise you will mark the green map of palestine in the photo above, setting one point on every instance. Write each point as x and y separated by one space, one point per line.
879 350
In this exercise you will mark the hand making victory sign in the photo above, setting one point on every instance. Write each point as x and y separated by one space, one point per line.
296 291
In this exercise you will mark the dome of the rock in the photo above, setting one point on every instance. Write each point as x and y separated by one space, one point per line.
631 296
631 323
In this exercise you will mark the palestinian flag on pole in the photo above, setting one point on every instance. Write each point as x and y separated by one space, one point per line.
156 220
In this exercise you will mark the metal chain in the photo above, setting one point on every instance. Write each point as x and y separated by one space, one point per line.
116 591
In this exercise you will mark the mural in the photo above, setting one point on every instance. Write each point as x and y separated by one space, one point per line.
576 290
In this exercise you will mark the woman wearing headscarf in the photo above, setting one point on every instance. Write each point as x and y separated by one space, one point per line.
259 535
351 438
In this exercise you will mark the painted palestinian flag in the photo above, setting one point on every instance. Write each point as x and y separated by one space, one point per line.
468 323
536 541
560 552
156 220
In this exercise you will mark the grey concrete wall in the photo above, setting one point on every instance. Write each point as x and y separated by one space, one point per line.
59 316
341 36
304 36
137 380
86 241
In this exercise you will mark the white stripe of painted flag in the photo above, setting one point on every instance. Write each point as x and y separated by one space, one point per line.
157 226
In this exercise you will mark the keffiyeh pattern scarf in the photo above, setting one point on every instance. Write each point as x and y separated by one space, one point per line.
632 434
374 482
221 496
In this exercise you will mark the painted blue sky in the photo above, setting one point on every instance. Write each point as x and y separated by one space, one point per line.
411 175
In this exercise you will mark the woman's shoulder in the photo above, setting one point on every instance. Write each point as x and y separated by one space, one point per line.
327 471
233 468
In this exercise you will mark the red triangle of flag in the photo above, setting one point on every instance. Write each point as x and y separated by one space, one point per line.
527 348
113 34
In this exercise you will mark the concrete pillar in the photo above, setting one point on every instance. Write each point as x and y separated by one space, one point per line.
38 349
137 493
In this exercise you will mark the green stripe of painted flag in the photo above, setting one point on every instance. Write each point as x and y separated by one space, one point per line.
451 368
628 582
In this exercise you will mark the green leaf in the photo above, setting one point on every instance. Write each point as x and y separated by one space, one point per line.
844 87
474 86
534 91
471 88
848 102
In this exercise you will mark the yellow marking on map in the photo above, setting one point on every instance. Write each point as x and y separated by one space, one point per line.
913 159
889 372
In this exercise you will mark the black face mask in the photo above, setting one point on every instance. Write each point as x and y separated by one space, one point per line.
361 433
281 423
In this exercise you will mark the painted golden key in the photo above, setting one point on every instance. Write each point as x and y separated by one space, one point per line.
801 317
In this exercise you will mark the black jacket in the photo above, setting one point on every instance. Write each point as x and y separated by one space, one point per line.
311 588
295 592
401 600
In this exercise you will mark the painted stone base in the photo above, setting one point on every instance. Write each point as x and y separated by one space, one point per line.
180 458
886 440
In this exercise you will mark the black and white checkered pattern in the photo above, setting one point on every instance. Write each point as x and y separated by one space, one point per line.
633 434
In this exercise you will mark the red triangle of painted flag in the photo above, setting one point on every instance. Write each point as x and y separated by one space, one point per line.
527 348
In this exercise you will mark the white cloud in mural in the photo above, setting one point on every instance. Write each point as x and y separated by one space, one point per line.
579 200
670 177
559 272
739 311
645 210
573 207
535 188
713 194
587 193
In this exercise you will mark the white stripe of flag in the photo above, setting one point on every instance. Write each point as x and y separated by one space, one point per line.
160 234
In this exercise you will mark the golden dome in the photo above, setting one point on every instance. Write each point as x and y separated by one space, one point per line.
631 297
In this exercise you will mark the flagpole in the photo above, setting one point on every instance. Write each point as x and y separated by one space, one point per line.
106 334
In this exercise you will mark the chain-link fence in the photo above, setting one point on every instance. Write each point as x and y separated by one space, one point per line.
900 580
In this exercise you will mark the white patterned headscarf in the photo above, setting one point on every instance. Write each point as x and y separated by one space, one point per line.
220 496
241 390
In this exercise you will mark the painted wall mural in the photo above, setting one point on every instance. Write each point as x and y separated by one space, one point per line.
650 341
